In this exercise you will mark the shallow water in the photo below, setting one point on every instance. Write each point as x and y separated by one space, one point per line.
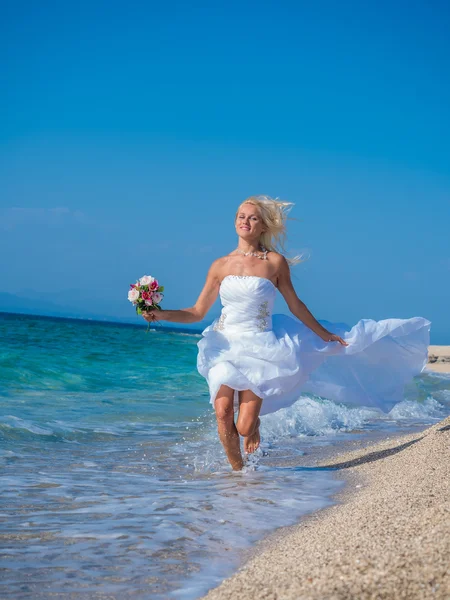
114 481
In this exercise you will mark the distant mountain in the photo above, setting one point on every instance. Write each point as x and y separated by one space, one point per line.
32 305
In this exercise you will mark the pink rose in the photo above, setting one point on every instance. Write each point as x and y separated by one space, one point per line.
133 295
149 302
154 285
146 280
157 297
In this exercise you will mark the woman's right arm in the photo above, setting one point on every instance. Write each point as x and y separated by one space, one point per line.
197 312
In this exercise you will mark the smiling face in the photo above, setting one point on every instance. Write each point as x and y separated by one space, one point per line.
249 224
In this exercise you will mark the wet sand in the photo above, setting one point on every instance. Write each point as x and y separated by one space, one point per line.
388 537
439 359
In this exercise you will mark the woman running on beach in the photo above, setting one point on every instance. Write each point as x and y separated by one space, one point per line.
256 362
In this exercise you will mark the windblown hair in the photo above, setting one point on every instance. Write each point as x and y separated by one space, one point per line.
274 216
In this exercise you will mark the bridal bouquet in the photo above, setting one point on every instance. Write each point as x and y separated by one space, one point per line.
145 294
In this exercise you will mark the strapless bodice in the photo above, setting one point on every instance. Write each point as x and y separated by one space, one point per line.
247 302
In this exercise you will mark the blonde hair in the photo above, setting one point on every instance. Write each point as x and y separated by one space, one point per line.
274 216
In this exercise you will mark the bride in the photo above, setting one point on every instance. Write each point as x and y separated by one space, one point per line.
256 363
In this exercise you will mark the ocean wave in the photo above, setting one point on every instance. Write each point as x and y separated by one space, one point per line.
318 417
14 428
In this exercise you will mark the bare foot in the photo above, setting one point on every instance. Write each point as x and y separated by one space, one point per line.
251 442
237 465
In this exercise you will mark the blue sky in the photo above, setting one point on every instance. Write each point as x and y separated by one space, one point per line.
129 133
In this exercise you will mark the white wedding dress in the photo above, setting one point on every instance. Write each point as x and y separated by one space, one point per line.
278 357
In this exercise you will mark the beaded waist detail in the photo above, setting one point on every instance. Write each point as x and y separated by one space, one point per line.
247 302
261 321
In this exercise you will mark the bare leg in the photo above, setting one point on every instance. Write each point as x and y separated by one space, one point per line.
248 420
227 429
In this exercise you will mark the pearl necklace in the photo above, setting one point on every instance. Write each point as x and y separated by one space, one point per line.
262 257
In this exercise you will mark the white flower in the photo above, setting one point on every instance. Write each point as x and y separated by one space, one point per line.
157 297
146 280
133 295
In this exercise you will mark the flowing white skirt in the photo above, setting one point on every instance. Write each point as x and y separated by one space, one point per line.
278 365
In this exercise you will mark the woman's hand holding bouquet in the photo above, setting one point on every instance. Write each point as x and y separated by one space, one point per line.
146 295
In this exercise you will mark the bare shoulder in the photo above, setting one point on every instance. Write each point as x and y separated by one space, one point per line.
281 269
217 266
275 257
279 261
219 263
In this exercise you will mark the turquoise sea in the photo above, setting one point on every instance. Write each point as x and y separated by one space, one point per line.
114 484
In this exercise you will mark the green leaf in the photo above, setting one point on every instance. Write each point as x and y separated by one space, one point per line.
161 288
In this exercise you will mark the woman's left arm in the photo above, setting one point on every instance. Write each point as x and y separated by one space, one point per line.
299 308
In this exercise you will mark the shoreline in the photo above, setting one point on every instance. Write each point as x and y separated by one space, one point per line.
439 359
387 535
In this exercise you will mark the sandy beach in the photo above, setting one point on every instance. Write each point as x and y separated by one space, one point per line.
388 537
439 359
